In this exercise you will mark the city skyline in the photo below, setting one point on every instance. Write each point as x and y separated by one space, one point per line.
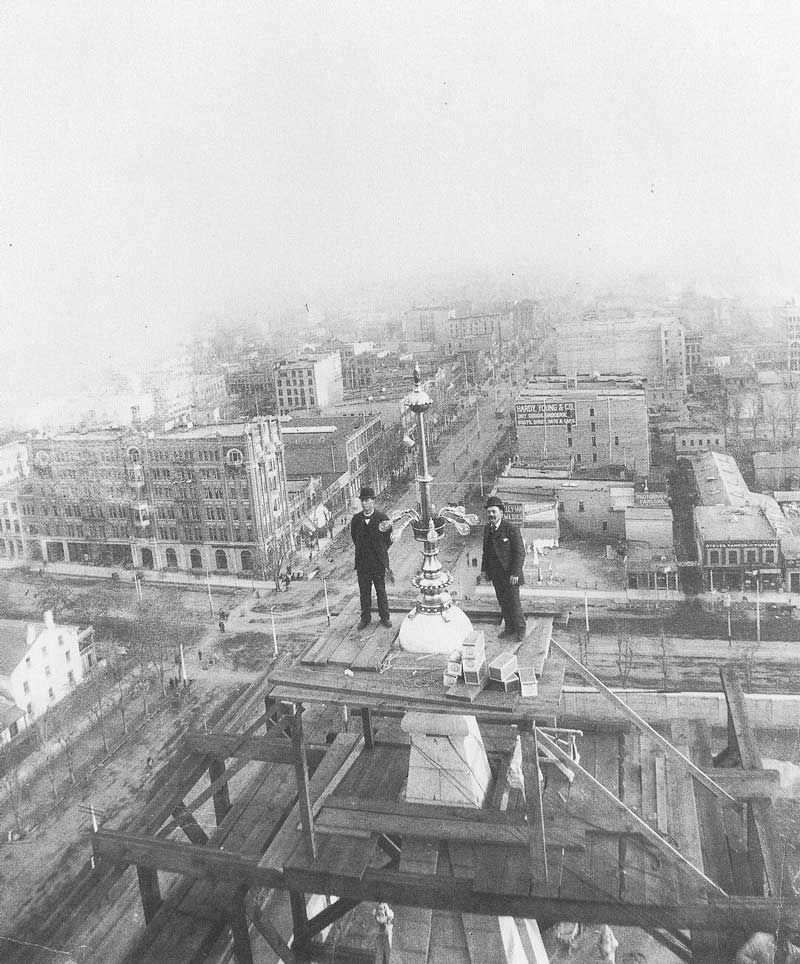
166 166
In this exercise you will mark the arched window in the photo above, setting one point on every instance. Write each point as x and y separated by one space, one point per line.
222 559
247 560
195 559
172 559
147 559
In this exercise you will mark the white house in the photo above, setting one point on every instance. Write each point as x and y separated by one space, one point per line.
40 663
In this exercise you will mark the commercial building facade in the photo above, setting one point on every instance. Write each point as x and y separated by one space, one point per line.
597 421
310 382
345 452
208 498
651 346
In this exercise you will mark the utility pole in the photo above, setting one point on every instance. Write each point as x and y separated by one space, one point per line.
208 587
274 634
758 607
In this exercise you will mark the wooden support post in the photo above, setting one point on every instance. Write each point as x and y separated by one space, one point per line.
269 710
150 891
189 825
533 801
635 822
300 938
240 929
366 723
755 856
330 915
389 847
222 798
643 725
269 932
301 771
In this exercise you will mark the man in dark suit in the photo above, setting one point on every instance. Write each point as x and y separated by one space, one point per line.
372 557
503 557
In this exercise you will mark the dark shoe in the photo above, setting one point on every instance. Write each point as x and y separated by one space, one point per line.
387 623
364 623
520 636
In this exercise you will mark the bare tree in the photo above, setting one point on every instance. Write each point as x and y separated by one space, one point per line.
160 624
664 655
15 796
625 657
97 706
734 412
792 409
51 771
117 672
773 412
68 748
57 596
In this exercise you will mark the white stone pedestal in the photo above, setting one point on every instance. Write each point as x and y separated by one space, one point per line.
448 763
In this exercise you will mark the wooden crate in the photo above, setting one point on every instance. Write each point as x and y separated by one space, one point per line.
503 667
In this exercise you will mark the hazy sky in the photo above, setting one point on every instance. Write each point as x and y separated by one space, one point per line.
165 161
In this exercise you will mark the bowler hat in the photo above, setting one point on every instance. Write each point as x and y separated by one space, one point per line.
367 492
497 501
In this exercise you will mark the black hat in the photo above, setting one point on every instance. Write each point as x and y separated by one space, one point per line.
495 500
367 492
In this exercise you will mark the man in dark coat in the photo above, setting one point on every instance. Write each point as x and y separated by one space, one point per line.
372 557
503 557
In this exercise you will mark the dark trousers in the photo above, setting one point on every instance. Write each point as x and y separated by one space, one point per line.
366 580
510 606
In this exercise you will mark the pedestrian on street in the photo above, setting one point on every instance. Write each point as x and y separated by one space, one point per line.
503 558
372 557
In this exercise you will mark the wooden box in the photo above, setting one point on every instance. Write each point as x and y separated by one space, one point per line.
503 666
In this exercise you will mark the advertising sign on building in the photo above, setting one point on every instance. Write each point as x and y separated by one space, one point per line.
545 413
514 512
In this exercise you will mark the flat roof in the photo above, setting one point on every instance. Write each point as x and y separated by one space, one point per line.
648 512
729 523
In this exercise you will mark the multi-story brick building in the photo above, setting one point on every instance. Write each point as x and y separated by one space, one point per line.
309 382
421 324
693 344
345 451
206 498
598 421
13 469
791 322
253 388
651 346
12 533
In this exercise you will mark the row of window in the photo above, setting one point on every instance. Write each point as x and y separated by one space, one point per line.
50 694
732 557
220 559
26 686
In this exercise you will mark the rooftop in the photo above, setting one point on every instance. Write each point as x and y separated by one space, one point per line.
719 481
631 384
13 644
728 523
